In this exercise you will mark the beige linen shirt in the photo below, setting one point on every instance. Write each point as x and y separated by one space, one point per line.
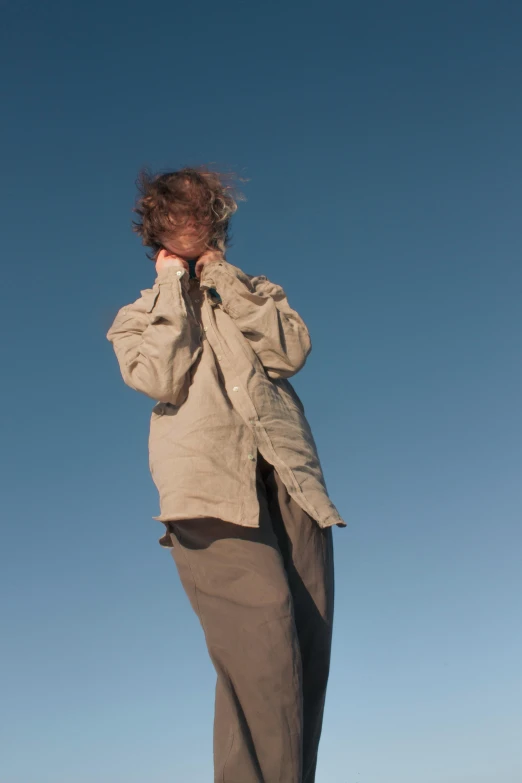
216 355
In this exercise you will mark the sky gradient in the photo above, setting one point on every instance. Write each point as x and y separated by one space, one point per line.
382 146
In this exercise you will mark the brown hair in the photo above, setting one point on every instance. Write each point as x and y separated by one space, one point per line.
167 201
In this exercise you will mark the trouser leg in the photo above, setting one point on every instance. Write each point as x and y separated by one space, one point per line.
307 552
237 586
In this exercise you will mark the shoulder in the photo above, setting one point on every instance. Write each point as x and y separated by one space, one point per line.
257 284
264 287
135 314
144 303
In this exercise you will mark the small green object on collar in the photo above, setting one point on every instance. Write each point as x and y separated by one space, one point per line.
214 293
192 269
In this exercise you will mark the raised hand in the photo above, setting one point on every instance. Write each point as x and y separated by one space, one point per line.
165 259
208 257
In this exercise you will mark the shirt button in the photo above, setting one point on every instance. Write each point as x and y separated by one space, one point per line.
251 456
219 357
205 328
179 273
236 388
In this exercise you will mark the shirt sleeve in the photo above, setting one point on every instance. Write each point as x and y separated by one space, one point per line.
261 311
157 339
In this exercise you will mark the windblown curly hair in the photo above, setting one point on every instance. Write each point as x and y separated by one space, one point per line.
167 201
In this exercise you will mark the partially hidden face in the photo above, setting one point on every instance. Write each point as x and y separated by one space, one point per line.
187 243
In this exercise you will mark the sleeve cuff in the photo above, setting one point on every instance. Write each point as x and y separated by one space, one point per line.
208 273
170 274
222 271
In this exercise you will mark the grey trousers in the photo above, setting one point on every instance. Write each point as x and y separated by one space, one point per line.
265 598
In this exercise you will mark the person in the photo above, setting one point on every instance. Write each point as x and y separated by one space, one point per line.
243 500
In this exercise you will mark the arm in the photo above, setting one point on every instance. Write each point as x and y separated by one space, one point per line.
261 311
156 340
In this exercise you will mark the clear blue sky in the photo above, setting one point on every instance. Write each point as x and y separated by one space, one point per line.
382 143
